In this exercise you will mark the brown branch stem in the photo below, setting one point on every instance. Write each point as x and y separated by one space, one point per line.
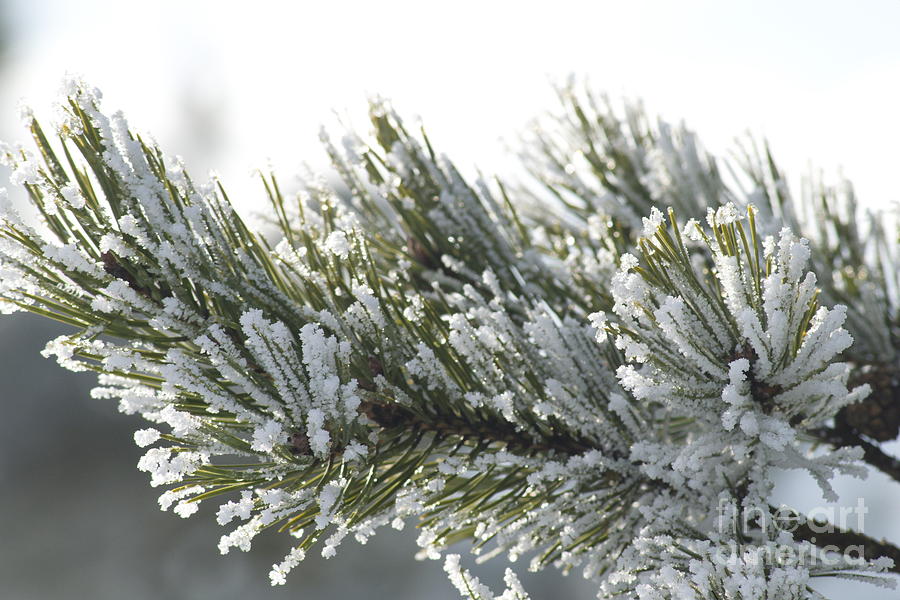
872 454
392 416
823 535
830 537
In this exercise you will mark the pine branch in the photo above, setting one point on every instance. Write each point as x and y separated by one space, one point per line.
487 429
872 454
427 347
830 537
269 353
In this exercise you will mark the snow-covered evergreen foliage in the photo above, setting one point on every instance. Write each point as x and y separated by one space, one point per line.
556 370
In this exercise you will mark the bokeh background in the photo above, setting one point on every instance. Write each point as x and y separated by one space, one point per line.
238 86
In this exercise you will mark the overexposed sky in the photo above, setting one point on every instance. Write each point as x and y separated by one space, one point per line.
230 85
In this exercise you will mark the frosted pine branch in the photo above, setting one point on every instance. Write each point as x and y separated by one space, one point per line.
595 384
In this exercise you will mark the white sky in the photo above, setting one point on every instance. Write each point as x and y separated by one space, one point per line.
820 79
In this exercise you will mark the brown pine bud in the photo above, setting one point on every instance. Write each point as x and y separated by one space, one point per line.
420 253
113 266
299 443
375 369
384 415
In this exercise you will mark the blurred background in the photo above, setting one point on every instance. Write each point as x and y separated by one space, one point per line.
235 89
